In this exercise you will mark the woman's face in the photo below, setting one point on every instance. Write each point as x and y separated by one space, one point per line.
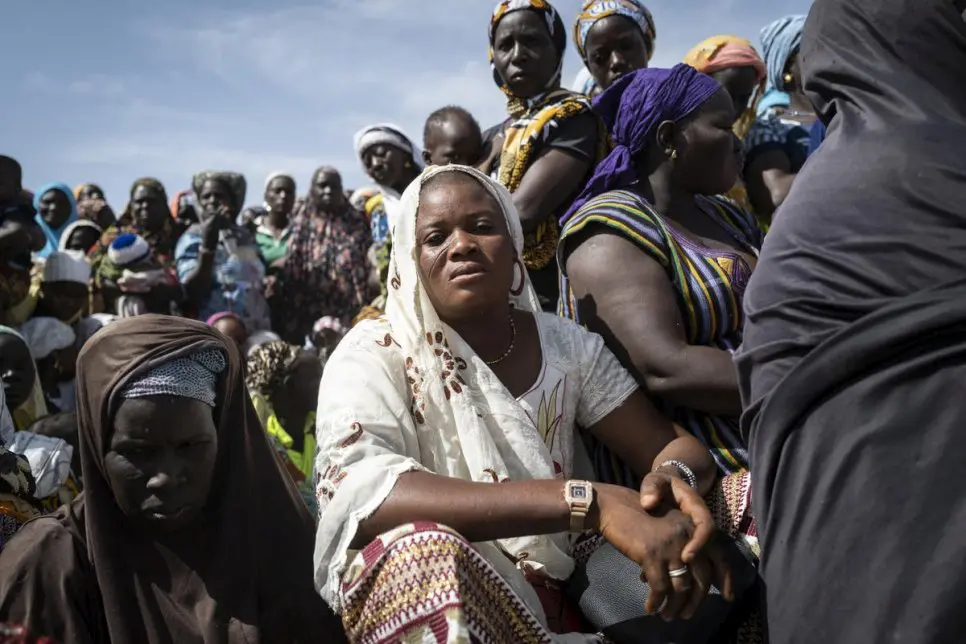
215 199
233 329
615 46
740 83
65 300
464 249
161 459
280 195
54 208
386 164
327 188
17 370
524 54
82 239
89 192
149 209
709 153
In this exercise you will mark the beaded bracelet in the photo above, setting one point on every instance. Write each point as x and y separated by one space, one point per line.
686 472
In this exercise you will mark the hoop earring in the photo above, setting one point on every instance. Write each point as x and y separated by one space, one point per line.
673 154
516 292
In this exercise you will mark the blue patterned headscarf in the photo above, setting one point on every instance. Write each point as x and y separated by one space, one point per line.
779 41
53 235
632 108
594 11
193 376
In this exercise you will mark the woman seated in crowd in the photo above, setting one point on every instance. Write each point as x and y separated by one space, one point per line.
56 209
649 209
146 216
613 38
734 63
553 138
283 381
217 260
187 530
777 144
453 421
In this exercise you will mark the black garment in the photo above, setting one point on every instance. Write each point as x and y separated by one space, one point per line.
854 353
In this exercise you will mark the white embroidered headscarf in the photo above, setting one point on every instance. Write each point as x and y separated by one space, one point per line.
457 392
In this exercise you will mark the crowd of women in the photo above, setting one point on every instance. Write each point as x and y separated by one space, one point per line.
521 388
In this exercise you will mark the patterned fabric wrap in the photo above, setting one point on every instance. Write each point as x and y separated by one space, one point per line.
516 106
424 582
594 11
708 286
780 40
526 138
268 365
194 376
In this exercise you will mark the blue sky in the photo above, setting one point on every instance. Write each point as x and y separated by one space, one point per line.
111 90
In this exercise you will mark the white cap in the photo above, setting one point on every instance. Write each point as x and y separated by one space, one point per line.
61 267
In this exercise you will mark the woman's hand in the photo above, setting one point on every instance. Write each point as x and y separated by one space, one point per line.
659 543
661 489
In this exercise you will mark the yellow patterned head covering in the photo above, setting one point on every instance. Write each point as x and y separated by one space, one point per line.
726 52
517 106
594 11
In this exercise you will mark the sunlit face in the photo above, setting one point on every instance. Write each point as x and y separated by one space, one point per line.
615 46
524 54
386 164
280 194
709 153
149 209
215 199
55 208
161 460
464 249
327 188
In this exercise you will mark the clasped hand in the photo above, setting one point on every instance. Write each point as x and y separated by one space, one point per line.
666 527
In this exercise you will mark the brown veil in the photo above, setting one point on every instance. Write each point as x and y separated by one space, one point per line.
246 575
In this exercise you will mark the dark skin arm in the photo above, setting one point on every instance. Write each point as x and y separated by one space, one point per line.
547 185
769 179
645 439
199 282
652 341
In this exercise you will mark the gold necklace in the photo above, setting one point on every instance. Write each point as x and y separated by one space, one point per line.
509 349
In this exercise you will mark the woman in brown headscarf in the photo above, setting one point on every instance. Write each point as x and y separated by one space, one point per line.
188 530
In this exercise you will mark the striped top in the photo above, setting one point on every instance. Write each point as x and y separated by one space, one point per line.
708 286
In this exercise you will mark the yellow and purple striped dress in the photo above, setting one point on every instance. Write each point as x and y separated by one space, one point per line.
708 285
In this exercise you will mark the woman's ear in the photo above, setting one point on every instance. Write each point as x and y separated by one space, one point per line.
665 134
427 158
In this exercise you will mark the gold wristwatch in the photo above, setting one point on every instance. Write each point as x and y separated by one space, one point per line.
579 495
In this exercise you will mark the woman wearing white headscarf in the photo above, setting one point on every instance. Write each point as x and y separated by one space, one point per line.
459 407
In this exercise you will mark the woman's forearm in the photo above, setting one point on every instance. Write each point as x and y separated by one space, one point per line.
688 450
700 378
478 511
198 283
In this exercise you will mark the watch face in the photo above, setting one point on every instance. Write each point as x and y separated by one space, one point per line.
578 492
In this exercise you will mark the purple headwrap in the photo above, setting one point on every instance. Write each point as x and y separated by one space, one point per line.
632 108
